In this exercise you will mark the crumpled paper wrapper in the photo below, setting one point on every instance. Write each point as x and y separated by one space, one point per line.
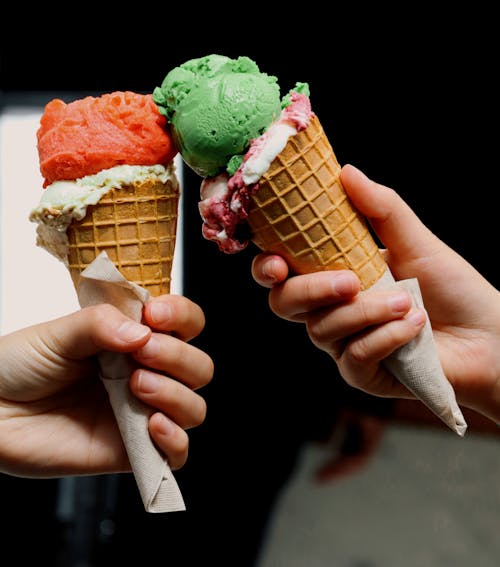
101 282
417 365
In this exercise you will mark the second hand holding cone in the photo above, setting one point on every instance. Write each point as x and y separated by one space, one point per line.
284 193
302 213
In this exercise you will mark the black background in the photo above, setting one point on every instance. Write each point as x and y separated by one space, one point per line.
409 98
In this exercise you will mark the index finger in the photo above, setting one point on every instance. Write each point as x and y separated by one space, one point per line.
299 295
174 314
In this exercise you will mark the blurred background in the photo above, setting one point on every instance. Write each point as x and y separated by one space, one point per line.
291 467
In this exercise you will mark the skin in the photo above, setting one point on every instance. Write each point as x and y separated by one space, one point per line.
359 329
55 417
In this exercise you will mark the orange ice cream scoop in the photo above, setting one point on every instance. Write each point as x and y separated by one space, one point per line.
94 133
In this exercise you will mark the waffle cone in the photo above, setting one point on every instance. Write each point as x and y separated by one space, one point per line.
301 212
136 226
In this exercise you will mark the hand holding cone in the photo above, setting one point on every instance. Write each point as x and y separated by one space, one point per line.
109 213
302 213
268 167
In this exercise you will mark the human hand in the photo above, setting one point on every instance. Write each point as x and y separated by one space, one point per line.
55 416
360 329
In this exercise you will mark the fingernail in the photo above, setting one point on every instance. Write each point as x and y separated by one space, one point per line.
417 318
148 382
160 311
344 284
131 331
399 302
268 270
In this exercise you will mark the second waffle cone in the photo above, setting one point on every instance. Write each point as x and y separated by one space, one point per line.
136 226
301 212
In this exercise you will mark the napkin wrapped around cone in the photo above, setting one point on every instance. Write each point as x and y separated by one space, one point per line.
130 232
101 282
417 364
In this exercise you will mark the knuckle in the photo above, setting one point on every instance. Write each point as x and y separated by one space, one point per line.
100 312
316 329
358 351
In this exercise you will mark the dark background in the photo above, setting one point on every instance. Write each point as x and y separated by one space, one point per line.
411 100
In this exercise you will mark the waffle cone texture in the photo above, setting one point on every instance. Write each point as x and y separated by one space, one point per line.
136 227
301 212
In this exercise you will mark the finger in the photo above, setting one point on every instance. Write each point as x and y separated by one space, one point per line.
177 401
269 269
175 314
361 358
397 226
92 329
171 439
380 342
299 295
176 358
364 311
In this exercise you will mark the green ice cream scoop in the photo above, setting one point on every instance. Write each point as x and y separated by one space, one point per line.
215 106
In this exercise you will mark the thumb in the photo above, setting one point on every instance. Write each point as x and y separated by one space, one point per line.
396 225
92 329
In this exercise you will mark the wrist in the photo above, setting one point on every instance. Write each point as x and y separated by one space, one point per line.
485 401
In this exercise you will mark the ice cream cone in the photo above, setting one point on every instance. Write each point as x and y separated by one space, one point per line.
270 175
301 212
136 226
